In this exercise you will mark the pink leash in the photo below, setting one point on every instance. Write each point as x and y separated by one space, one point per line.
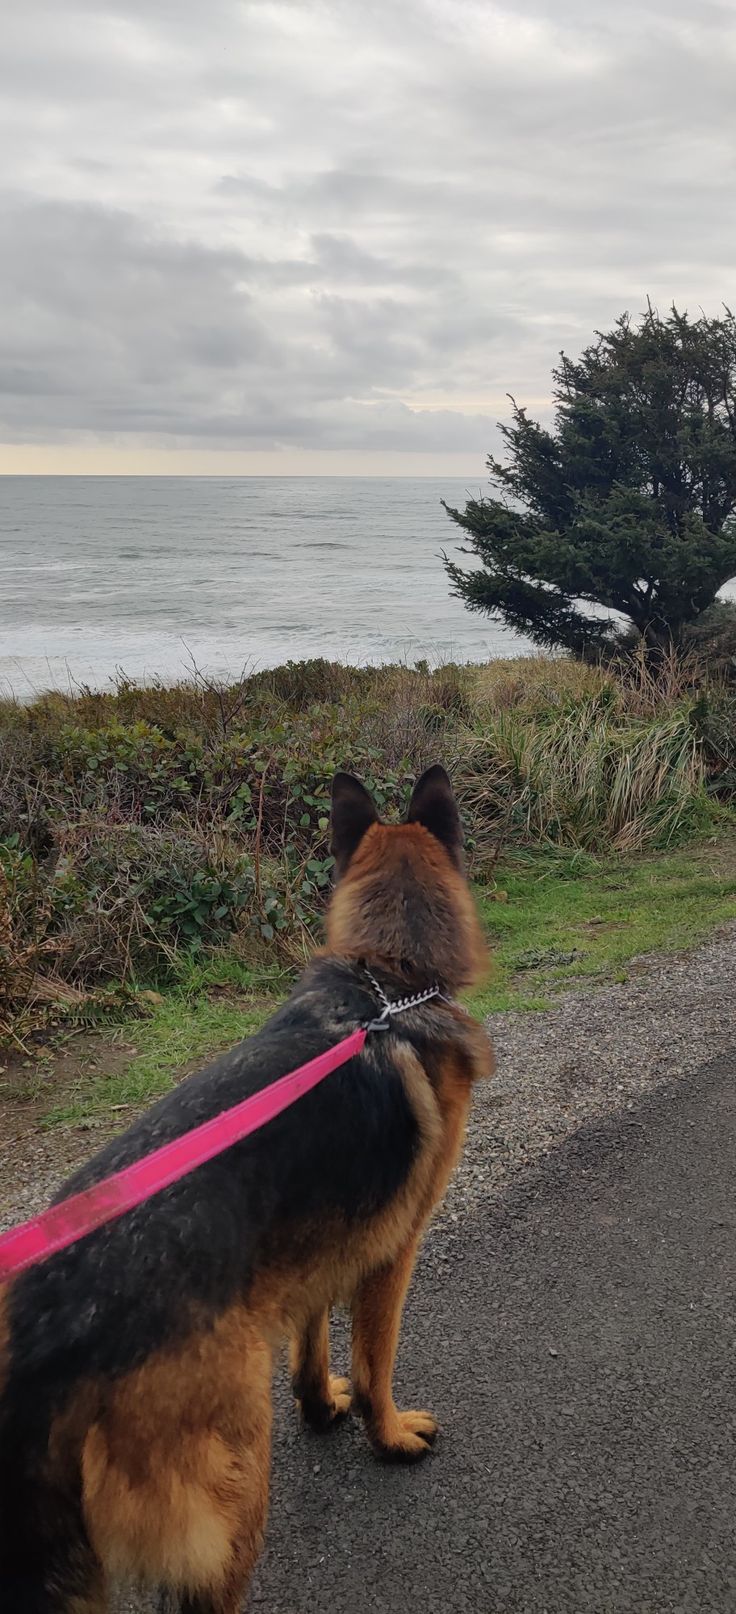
63 1224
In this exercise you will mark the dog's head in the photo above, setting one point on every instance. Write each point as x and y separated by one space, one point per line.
401 894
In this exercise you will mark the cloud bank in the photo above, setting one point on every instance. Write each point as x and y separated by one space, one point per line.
290 227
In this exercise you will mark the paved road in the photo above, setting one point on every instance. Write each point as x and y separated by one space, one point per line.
578 1343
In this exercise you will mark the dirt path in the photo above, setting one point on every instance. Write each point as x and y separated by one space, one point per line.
34 1158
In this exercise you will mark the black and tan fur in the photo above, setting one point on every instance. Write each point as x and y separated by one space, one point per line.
136 1367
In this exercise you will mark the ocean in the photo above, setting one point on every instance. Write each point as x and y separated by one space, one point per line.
146 575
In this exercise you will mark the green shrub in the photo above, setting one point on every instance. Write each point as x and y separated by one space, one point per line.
714 722
125 898
712 638
132 770
139 825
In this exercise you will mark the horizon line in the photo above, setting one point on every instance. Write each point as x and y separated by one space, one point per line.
232 476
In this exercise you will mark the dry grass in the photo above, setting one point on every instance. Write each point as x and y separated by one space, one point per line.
535 683
586 776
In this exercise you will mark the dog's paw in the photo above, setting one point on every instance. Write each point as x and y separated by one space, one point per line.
322 1413
405 1438
340 1396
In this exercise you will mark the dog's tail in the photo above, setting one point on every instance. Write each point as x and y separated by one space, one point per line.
47 1564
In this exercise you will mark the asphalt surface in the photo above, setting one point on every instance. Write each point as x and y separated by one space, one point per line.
577 1342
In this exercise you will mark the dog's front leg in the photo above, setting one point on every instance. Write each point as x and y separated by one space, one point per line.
398 1436
321 1397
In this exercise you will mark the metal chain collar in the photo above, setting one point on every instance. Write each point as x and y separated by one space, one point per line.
400 1005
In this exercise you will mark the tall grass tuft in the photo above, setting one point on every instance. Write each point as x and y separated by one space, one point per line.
587 776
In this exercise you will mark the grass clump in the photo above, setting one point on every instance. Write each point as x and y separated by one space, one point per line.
588 775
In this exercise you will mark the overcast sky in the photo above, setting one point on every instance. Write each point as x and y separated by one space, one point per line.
304 236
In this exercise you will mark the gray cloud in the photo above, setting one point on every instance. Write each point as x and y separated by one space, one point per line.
340 226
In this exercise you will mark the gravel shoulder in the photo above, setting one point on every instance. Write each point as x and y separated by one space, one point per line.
597 1051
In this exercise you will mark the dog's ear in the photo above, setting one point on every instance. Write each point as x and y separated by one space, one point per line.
353 812
433 805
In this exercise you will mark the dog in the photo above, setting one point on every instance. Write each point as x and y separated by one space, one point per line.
136 1366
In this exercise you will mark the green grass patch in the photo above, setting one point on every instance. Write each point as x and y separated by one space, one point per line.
211 1008
569 916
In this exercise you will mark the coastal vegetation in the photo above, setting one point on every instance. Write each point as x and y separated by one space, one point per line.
164 851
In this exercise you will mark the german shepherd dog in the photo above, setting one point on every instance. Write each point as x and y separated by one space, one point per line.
136 1366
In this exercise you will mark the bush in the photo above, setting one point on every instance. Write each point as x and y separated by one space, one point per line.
118 901
24 909
714 721
713 639
144 824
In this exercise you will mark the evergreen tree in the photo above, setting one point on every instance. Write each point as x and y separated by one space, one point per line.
627 503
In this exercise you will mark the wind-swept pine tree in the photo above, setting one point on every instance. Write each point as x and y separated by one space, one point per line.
627 503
